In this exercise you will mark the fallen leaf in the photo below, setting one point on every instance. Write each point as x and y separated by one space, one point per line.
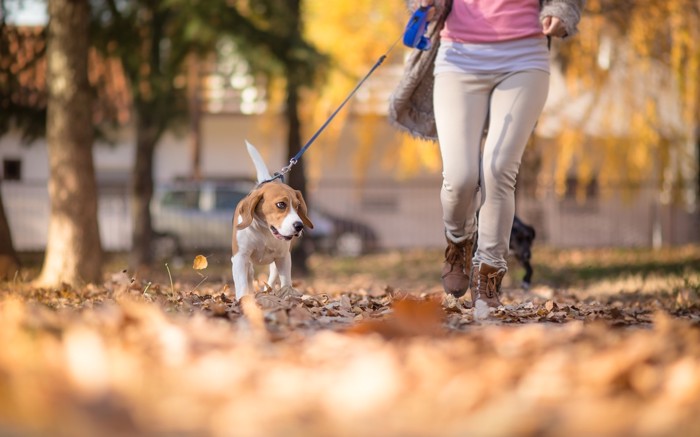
409 318
200 262
550 305
254 315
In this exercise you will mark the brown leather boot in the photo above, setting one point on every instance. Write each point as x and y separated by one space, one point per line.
474 281
455 278
488 285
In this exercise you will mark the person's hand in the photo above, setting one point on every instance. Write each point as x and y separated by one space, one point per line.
551 26
431 12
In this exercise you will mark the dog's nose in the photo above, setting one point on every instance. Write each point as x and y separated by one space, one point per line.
298 226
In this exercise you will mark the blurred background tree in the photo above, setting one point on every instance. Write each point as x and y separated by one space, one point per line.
9 261
152 39
355 35
73 249
638 65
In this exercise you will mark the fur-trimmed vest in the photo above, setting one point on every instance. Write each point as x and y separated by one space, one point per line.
411 103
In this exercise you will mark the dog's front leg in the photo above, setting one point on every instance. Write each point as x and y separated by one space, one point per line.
274 274
240 269
284 268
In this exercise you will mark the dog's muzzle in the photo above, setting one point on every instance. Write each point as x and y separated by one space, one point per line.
298 227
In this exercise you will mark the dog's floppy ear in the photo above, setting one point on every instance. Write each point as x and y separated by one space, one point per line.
246 209
303 211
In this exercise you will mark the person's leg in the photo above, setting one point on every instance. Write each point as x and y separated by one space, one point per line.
516 104
461 108
461 105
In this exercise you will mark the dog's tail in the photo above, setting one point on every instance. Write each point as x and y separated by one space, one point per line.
263 173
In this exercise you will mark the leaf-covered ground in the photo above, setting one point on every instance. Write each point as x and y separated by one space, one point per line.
606 343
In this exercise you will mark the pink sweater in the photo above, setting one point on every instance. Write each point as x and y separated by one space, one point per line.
484 21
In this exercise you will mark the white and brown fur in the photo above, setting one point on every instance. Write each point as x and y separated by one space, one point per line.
264 224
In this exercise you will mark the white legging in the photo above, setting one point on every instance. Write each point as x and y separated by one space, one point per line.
464 103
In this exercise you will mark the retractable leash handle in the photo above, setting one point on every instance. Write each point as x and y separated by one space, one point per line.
414 35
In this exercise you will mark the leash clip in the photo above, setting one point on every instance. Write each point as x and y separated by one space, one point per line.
286 169
280 174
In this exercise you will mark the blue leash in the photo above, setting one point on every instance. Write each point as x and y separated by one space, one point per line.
416 27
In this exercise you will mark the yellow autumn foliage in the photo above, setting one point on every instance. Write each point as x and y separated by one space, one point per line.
355 34
641 63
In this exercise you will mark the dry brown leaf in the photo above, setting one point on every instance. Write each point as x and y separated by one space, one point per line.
200 262
299 315
219 309
550 305
253 313
410 317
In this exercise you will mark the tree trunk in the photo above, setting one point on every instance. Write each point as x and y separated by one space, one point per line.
697 156
194 102
142 192
297 177
73 249
9 263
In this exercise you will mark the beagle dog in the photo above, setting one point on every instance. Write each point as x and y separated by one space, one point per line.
264 224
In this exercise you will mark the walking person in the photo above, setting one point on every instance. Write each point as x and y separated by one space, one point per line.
479 90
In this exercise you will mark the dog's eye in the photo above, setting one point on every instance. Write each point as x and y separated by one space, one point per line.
281 205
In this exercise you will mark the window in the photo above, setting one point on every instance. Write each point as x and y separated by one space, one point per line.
228 199
582 198
183 199
574 188
12 169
